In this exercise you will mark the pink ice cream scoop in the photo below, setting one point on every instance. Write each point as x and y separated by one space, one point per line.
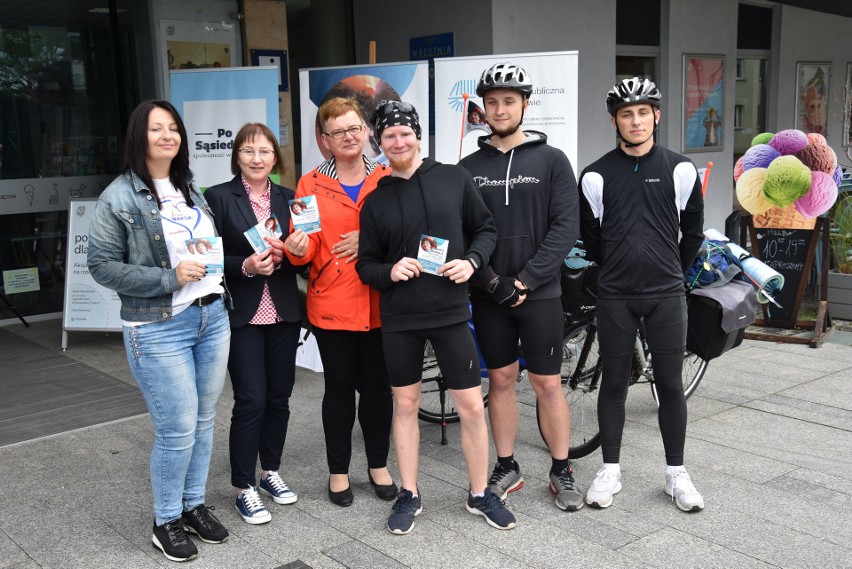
738 168
822 196
789 141
750 191
759 156
816 138
818 158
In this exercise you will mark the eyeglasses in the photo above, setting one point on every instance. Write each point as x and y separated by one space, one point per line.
389 107
353 130
264 153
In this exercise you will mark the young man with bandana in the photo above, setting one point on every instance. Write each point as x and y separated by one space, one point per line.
423 198
642 216
531 190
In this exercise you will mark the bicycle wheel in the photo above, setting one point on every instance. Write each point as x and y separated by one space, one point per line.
580 378
693 370
433 388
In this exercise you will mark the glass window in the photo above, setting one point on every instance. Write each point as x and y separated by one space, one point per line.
63 108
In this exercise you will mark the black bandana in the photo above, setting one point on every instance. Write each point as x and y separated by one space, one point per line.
396 113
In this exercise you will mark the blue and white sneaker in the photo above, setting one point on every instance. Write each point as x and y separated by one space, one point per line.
492 508
273 486
405 509
251 507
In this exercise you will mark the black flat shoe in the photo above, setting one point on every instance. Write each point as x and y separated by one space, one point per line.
343 498
386 492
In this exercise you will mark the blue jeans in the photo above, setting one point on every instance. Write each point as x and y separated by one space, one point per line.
179 365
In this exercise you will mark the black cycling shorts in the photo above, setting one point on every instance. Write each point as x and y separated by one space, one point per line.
537 324
454 348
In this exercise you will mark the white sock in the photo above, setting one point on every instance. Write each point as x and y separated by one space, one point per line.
612 467
672 470
478 494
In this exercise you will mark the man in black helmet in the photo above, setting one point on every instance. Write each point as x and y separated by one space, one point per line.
531 191
641 220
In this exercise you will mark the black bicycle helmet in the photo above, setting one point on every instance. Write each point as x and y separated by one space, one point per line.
632 91
505 76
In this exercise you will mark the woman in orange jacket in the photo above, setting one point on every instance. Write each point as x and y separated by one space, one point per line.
344 312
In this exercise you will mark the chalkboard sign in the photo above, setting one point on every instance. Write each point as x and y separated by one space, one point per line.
790 252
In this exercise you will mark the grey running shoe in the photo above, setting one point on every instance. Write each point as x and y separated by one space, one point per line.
504 481
562 485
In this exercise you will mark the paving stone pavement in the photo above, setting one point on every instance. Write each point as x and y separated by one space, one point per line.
769 445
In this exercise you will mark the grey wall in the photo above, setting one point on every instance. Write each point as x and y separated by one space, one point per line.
689 28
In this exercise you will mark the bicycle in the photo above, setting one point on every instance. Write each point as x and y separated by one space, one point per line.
581 366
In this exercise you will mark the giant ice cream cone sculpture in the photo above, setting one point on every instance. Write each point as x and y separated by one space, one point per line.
787 180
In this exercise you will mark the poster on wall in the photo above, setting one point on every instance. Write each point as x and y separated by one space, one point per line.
196 45
812 81
703 102
88 306
368 84
214 105
847 116
459 122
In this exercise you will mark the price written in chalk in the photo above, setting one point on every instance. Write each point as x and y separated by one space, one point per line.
782 243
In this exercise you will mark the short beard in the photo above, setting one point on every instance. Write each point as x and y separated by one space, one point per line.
505 132
400 165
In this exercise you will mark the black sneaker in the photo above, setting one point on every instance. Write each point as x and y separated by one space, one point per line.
492 509
406 507
171 539
201 521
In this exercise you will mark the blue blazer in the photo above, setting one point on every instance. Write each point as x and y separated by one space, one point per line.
233 216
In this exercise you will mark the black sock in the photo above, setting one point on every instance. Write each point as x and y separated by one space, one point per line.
508 462
559 464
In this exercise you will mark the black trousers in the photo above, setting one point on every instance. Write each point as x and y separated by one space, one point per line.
262 366
354 362
665 329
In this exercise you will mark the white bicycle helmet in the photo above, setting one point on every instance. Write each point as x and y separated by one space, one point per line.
632 91
505 76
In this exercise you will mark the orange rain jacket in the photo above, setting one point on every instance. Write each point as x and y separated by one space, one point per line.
337 299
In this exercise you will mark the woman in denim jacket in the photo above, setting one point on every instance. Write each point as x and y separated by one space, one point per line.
175 325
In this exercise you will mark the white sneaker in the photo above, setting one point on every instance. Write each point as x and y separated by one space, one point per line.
606 484
682 491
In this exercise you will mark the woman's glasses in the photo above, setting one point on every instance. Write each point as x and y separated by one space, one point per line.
353 130
264 153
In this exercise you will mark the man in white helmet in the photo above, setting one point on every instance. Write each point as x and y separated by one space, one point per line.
642 215
531 191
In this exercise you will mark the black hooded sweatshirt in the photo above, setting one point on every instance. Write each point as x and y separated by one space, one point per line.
532 193
438 200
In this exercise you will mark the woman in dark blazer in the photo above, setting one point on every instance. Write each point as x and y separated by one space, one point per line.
265 321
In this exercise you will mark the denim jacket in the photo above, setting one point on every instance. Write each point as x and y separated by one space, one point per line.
127 249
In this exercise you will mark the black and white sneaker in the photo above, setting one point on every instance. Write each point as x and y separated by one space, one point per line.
171 539
201 521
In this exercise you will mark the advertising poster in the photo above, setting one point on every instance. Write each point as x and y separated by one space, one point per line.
368 84
196 45
552 109
214 105
704 100
88 306
812 80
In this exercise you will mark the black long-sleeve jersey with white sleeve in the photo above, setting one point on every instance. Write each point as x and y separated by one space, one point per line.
641 220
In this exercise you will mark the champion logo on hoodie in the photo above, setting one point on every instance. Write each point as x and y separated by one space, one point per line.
486 181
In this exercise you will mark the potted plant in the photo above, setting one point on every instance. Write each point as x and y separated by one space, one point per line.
840 277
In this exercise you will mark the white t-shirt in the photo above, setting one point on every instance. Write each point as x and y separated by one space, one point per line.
180 223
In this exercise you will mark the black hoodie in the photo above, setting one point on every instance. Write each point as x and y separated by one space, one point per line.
438 200
532 193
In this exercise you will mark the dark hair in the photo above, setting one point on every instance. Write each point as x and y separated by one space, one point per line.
250 131
136 150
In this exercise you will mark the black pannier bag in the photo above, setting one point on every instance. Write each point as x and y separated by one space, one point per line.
718 318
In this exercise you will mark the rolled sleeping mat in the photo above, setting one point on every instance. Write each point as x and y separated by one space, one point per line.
768 281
